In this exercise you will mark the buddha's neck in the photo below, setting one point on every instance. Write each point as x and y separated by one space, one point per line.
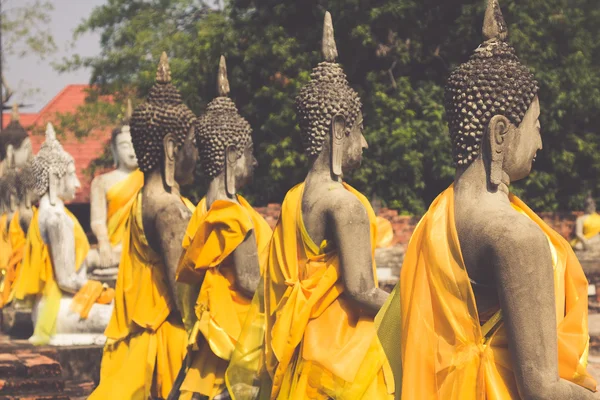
45 202
217 191
154 183
321 169
475 179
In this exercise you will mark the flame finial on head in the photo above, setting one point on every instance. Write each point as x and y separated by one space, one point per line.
15 113
163 73
494 26
128 111
329 48
222 80
50 133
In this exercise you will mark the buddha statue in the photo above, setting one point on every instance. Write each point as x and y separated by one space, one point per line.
492 303
146 337
321 291
587 228
68 308
111 197
15 145
9 242
221 245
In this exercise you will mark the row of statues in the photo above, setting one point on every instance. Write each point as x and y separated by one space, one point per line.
209 302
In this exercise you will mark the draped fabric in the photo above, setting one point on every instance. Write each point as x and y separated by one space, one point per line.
221 308
146 343
318 345
385 233
438 337
17 244
120 198
591 227
37 274
5 249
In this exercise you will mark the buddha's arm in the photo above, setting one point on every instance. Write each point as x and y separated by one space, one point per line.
522 263
171 222
246 267
579 229
25 217
98 217
351 232
62 250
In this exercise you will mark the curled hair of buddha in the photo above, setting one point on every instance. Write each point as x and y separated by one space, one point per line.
14 134
326 95
221 126
163 113
493 82
25 181
51 159
10 185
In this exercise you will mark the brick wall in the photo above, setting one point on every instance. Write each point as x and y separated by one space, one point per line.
404 225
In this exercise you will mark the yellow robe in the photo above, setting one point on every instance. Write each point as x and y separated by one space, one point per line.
221 309
385 233
5 249
17 243
146 343
591 227
318 345
431 324
120 198
37 274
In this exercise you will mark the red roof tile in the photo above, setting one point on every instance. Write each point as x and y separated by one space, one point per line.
84 150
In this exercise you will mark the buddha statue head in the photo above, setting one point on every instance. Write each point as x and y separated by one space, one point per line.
329 112
54 170
590 204
162 132
9 192
121 146
492 106
15 146
224 139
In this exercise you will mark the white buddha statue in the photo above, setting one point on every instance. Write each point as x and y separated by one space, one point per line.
68 308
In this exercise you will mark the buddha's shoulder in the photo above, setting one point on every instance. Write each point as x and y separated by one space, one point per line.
166 208
506 229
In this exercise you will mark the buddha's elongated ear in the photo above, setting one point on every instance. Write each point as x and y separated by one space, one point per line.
10 156
53 182
169 148
497 134
338 128
230 160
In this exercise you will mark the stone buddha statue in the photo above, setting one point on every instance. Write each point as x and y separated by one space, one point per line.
587 228
68 308
321 291
15 145
492 303
9 207
146 337
111 197
221 246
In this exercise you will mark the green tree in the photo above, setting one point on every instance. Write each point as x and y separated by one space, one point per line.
397 54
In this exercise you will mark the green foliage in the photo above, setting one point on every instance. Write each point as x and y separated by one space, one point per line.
397 54
25 28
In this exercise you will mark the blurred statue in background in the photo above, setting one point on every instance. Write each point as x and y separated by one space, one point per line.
587 228
68 308
15 145
111 197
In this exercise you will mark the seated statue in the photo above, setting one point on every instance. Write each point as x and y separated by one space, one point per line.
321 290
221 246
7 201
146 337
587 228
68 309
492 303
15 145
111 197
16 315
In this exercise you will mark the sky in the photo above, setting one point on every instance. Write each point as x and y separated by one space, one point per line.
27 73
